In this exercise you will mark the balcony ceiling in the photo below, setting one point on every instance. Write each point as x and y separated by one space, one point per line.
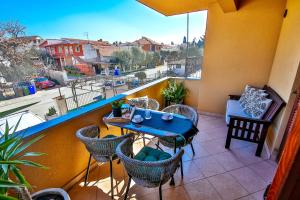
175 7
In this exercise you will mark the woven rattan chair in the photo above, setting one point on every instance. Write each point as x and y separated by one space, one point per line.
148 171
186 111
145 102
101 149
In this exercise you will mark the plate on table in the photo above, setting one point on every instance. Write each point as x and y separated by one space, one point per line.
167 117
137 120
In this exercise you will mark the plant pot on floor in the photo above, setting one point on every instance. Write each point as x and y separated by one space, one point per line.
51 193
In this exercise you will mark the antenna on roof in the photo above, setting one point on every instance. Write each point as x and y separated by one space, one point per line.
86 34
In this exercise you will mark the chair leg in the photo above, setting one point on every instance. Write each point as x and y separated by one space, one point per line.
127 189
87 170
157 144
111 178
192 149
160 192
181 168
144 140
228 138
259 149
172 182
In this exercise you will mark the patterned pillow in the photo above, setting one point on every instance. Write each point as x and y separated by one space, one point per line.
140 102
258 107
249 94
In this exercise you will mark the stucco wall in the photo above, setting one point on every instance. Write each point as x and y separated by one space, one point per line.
285 66
239 50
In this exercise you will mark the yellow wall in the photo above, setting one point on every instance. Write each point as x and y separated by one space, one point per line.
66 155
239 50
287 56
285 67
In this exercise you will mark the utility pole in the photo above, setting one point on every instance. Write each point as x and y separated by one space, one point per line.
187 44
86 35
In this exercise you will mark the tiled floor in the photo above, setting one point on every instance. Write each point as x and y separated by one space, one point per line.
213 173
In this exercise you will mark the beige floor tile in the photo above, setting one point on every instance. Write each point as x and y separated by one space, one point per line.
201 190
83 192
227 186
209 166
190 173
259 195
229 160
248 179
249 197
247 154
265 170
214 146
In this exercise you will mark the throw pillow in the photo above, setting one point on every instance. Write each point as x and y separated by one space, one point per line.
140 102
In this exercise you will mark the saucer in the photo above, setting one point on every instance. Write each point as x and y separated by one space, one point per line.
139 121
167 118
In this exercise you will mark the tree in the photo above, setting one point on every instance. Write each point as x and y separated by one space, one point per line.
141 76
172 43
184 40
138 57
148 59
15 55
156 59
200 42
123 58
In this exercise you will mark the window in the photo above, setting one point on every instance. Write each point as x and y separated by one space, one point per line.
71 49
66 50
59 50
77 49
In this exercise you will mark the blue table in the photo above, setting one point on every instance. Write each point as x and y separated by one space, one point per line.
178 126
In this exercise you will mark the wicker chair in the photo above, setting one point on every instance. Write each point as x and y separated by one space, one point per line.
186 111
101 149
147 173
150 104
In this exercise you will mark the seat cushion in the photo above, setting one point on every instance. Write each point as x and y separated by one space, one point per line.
234 108
109 136
150 154
180 141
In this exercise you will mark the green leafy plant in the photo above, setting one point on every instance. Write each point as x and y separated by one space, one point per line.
117 104
141 76
51 111
175 92
12 157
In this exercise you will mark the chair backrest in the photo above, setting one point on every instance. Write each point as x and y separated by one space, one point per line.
153 104
145 102
276 105
147 173
100 148
184 110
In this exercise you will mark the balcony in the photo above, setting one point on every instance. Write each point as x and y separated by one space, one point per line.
213 173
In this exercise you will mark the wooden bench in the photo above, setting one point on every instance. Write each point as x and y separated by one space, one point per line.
250 129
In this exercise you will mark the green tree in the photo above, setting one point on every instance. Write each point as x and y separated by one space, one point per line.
138 57
200 42
155 59
123 58
184 40
148 59
141 76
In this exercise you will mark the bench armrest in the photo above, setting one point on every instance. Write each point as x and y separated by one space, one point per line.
234 97
248 119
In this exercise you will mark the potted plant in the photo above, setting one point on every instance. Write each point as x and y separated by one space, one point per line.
117 108
13 156
51 114
174 93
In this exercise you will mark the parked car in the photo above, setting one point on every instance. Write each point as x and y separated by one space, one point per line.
43 83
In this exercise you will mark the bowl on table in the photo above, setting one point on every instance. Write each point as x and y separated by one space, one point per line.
167 116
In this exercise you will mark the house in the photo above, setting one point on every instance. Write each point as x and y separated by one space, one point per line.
87 55
148 45
32 41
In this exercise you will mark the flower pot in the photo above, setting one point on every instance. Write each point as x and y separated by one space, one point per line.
50 117
51 193
117 112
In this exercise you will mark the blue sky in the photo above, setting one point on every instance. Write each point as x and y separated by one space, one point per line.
112 20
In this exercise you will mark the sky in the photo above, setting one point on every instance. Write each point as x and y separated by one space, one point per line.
110 20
